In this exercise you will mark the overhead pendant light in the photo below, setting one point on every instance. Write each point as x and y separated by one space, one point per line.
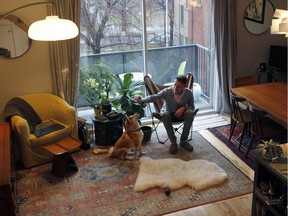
280 22
53 29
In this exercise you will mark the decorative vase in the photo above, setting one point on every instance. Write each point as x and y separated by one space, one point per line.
196 91
97 112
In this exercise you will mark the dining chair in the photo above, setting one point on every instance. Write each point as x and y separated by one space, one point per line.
239 115
247 80
153 88
262 127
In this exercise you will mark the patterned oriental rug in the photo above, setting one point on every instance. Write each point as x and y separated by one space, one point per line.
104 186
223 133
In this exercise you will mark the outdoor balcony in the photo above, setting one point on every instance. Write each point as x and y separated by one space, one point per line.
162 65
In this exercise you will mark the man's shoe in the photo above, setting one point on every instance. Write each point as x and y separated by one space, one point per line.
187 146
173 148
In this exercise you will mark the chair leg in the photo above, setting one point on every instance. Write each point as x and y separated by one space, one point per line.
242 135
155 129
250 145
232 128
191 131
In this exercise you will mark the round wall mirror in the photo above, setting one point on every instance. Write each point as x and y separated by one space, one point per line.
258 16
14 40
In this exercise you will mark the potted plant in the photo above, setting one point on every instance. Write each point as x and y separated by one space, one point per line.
128 89
270 150
97 84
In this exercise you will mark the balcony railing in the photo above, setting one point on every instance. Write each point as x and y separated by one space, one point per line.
162 64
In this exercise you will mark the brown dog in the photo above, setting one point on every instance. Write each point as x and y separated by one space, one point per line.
131 139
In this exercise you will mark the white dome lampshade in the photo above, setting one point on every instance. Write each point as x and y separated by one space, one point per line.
275 26
280 22
53 29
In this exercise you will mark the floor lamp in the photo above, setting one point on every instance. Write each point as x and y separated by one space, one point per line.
50 29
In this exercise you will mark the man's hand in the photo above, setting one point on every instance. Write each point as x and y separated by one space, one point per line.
138 99
179 112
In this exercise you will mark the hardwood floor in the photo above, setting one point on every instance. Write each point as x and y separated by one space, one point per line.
238 206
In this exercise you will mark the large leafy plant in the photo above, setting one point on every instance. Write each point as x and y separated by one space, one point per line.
128 89
97 84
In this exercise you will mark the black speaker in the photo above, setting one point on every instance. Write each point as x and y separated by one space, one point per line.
82 134
262 67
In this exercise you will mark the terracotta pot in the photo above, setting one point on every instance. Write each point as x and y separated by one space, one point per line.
97 112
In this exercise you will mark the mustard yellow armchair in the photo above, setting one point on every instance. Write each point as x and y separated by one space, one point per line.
48 107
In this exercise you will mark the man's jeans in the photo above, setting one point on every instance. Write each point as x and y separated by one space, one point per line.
168 118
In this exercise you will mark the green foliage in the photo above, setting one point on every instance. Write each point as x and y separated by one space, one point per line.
128 89
270 150
97 84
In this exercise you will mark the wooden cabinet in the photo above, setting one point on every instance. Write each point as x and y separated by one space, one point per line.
270 188
6 188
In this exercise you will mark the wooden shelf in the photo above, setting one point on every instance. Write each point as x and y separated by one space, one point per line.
6 198
263 202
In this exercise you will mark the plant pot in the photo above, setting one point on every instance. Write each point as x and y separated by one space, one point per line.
147 130
272 154
106 108
97 112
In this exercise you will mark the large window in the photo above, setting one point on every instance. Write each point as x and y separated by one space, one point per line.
112 34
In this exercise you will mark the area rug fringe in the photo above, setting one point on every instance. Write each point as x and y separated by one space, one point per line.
227 153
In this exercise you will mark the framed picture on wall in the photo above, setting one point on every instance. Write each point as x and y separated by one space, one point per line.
255 11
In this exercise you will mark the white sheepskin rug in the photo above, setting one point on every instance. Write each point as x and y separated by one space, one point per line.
174 173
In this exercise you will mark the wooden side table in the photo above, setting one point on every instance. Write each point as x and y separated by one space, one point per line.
62 158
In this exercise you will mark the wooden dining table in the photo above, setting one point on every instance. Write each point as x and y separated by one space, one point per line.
270 97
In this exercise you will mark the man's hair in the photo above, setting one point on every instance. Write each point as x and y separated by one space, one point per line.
182 78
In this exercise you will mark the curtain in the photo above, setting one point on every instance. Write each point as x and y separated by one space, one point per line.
64 55
225 49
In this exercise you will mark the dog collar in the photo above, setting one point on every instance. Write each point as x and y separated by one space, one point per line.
134 130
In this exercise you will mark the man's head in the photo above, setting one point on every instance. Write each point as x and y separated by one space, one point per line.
180 84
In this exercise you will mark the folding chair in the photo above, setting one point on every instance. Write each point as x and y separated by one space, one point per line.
153 88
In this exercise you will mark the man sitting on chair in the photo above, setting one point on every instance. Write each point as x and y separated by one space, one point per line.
179 102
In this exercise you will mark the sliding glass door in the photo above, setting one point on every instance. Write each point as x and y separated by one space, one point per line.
126 35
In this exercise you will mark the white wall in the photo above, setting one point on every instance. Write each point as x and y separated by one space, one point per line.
31 72
254 49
